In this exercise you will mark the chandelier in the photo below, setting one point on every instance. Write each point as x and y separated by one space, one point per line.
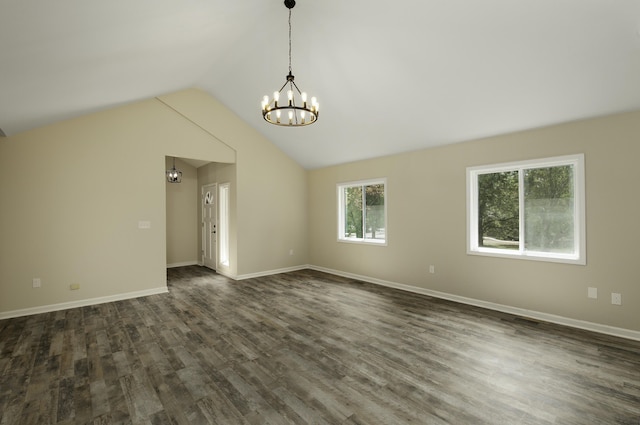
173 175
294 110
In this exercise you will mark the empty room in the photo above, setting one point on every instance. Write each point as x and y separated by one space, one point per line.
304 212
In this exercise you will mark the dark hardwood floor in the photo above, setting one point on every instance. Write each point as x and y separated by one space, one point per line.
307 348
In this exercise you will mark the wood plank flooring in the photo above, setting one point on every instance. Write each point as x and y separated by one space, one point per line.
307 348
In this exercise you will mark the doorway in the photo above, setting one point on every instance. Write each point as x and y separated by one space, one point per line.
209 225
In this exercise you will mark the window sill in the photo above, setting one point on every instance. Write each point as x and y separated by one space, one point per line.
533 256
374 242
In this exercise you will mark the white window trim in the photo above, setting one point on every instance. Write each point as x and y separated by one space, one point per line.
580 244
341 217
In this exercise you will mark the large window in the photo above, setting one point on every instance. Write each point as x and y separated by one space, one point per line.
362 211
530 209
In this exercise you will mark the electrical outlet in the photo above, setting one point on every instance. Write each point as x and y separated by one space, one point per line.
592 292
616 298
291 252
74 286
36 282
432 269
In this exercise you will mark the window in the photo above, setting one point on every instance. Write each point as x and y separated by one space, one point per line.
362 212
224 224
208 198
530 209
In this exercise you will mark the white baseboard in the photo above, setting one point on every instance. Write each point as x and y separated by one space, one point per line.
183 264
82 303
545 317
270 272
226 273
580 324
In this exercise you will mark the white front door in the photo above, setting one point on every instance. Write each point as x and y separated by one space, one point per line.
209 229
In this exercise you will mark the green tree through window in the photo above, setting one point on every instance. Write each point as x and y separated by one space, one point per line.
362 212
549 209
498 210
531 208
353 223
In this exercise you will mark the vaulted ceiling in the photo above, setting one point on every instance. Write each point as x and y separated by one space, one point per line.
389 76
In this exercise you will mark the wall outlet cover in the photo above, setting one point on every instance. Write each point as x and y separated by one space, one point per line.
616 298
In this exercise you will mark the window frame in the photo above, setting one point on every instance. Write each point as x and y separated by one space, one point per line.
579 225
341 212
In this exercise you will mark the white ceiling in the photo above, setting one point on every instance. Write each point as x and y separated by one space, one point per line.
389 76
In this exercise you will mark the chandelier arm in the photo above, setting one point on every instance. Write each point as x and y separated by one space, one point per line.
296 86
283 86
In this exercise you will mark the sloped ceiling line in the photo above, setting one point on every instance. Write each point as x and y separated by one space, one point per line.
235 152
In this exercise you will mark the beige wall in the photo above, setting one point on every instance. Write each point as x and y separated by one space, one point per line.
182 216
78 189
269 197
427 223
69 214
